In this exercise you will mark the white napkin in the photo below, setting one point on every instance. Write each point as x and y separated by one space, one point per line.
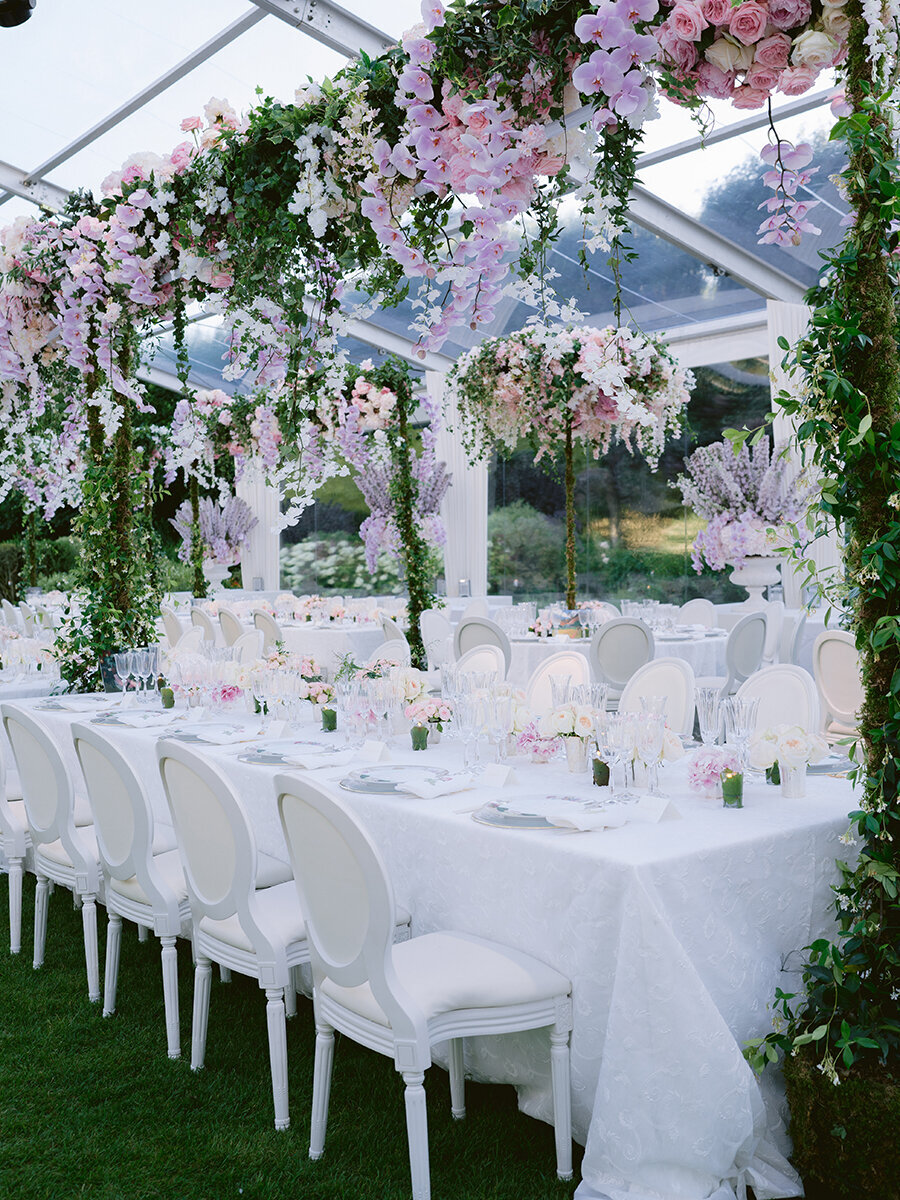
430 788
589 822
82 704
144 720
497 775
567 813
371 752
222 737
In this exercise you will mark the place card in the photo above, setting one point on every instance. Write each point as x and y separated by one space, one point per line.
650 810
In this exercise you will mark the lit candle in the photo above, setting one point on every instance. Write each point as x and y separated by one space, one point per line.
419 735
732 789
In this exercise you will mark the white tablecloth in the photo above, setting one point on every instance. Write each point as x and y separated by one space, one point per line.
706 655
327 644
674 935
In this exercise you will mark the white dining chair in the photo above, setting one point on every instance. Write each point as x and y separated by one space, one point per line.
190 641
538 693
271 630
669 677
837 675
480 631
392 651
232 626
437 637
698 611
400 999
774 624
743 654
610 611
787 696
15 844
28 621
476 608
391 630
792 633
244 909
144 880
483 658
248 647
617 649
64 852
172 626
11 616
204 621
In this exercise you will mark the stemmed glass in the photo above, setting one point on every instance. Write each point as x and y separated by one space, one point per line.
467 711
650 733
134 668
740 724
559 689
709 714
122 669
618 744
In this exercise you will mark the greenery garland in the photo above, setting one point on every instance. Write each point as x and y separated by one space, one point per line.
848 417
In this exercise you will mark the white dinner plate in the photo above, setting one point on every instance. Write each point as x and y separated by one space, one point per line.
527 812
830 765
280 752
384 781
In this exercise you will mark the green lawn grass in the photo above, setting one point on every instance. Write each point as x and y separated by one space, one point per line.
93 1108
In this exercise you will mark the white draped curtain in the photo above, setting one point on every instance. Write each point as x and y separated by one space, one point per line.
791 321
259 559
464 510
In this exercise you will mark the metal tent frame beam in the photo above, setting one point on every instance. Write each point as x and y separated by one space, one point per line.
330 24
17 183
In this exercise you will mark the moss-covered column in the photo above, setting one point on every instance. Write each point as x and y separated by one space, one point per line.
570 519
413 549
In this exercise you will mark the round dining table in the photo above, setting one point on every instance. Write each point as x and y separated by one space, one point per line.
674 928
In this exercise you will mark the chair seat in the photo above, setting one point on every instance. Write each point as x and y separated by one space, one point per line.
168 864
55 852
446 971
278 914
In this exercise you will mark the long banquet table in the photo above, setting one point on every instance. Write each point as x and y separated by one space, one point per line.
674 935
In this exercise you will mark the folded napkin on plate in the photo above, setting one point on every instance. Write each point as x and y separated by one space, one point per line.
221 737
430 788
588 822
81 704
567 812
144 720
311 760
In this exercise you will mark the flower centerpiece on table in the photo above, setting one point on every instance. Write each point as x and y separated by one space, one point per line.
707 767
569 720
531 741
223 529
746 498
791 746
430 710
565 385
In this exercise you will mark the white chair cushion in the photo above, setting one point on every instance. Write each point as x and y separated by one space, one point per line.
56 852
447 971
168 864
278 913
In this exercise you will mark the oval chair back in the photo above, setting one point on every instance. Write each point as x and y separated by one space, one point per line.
793 631
483 658
669 677
391 630
787 696
11 615
698 611
189 642
480 631
232 626
248 647
538 693
171 625
836 670
744 650
774 626
205 622
617 649
437 637
270 628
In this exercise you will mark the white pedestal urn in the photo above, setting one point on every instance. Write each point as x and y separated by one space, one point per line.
215 573
756 573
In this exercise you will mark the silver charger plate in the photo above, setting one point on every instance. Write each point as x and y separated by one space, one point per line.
385 781
832 764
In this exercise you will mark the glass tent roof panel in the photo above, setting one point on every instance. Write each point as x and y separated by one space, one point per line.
72 64
268 55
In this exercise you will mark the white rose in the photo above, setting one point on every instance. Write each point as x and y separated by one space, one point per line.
728 55
672 748
837 23
583 721
763 752
812 49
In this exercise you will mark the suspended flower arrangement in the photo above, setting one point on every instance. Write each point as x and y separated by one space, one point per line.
559 387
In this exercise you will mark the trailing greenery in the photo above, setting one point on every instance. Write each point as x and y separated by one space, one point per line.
93 1108
847 410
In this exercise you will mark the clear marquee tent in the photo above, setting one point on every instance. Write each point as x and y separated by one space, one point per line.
83 86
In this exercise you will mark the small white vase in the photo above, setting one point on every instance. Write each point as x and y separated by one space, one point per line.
793 781
434 734
755 574
576 754
215 573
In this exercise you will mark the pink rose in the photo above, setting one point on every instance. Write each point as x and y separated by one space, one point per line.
190 123
687 20
221 279
748 22
797 80
181 156
716 12
748 97
477 121
787 14
762 77
680 53
715 82
773 51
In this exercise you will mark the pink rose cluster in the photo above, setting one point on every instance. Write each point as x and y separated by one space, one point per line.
374 405
709 764
746 51
429 709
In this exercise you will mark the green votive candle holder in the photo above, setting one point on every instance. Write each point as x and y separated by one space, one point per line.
600 771
329 720
773 774
419 735
732 789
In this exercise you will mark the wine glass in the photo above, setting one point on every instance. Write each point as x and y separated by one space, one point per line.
133 669
559 689
122 672
650 733
709 714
